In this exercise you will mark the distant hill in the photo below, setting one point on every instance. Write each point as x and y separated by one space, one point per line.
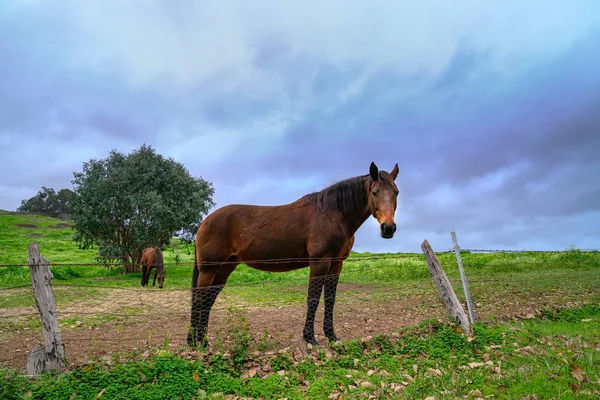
54 237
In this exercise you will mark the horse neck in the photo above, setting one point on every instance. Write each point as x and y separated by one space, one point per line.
158 259
346 199
353 219
352 224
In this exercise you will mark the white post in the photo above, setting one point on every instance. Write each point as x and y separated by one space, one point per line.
462 276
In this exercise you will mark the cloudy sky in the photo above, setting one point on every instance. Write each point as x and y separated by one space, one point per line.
491 109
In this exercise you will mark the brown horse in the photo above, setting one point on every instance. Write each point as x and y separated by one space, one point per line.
152 257
316 230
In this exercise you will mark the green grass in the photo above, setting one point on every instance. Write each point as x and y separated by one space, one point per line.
56 244
554 356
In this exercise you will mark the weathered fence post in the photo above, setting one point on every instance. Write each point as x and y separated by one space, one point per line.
443 284
52 356
462 276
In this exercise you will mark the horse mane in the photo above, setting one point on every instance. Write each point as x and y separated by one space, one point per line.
159 259
347 195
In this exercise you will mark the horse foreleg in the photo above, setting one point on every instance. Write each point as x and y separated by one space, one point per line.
155 272
315 287
330 285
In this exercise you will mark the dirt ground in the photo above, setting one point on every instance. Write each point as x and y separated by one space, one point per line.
135 320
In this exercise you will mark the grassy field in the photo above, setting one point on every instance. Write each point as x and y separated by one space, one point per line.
538 334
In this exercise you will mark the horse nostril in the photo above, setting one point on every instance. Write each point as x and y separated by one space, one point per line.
383 227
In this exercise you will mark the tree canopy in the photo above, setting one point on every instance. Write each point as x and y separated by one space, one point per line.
48 202
124 203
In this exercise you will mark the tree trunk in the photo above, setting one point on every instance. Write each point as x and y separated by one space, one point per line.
129 266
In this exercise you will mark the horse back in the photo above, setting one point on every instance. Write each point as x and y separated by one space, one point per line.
249 232
148 256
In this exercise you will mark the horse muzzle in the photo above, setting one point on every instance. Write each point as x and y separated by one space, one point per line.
387 231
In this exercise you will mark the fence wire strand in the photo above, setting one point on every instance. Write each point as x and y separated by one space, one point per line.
151 319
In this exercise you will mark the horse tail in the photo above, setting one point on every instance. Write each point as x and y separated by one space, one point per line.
159 258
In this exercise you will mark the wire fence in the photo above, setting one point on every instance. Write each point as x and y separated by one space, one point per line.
523 251
271 261
376 294
115 262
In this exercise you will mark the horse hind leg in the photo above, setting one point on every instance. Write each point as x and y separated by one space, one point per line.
192 336
211 282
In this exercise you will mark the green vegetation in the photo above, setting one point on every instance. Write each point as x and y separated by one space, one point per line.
54 237
48 202
125 203
552 353
556 356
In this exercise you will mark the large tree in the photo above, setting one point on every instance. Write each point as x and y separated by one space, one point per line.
124 203
48 202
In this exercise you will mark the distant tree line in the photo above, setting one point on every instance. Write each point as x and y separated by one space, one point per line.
49 202
127 202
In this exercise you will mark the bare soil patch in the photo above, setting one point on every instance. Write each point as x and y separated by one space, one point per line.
59 226
139 320
26 226
280 327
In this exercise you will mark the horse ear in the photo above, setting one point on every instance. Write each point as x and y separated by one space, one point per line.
374 171
395 171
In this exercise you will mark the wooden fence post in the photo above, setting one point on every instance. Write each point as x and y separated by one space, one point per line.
52 356
443 284
462 276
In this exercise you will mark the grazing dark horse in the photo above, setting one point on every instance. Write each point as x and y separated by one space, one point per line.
316 230
152 257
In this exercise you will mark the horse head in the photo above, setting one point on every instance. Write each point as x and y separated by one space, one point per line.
383 194
161 276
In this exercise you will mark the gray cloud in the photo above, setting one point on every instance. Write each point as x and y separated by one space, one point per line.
496 133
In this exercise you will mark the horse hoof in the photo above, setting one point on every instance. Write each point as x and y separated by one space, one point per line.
191 340
311 340
333 339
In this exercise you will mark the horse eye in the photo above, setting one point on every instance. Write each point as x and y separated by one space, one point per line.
374 193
